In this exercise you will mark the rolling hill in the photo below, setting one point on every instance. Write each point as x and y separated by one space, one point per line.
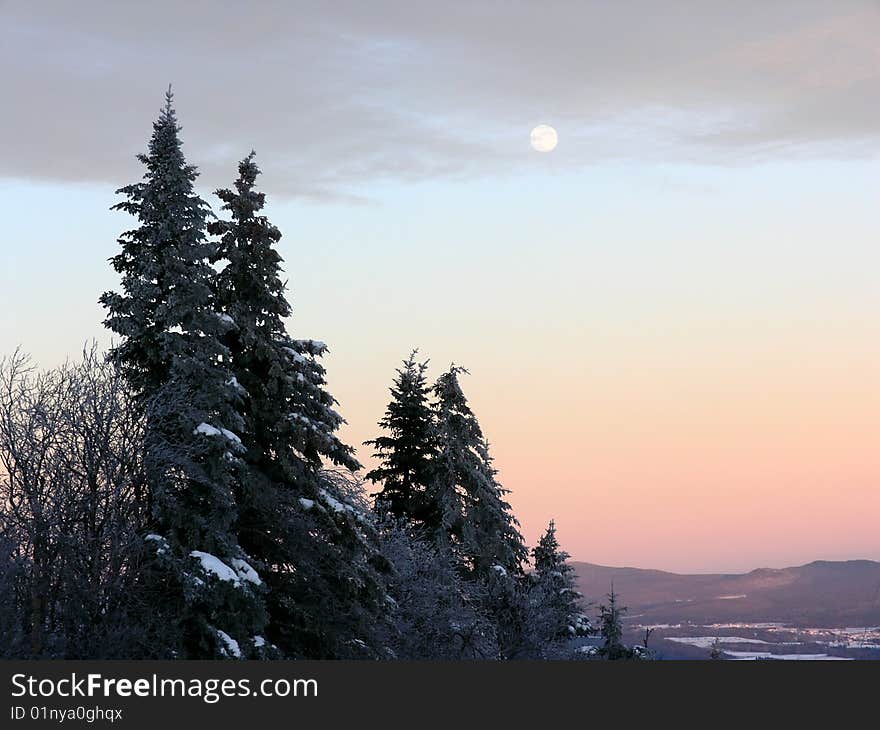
821 593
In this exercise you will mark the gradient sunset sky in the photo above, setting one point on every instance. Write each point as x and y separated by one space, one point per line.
672 321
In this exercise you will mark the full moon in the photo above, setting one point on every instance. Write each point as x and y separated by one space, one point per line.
544 138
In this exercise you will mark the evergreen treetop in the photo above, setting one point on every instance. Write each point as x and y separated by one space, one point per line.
407 450
164 312
290 414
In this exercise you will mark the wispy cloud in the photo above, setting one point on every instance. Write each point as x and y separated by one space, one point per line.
336 97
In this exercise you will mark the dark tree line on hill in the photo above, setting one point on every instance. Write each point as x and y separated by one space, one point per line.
187 496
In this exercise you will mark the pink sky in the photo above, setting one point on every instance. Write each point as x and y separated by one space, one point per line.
691 449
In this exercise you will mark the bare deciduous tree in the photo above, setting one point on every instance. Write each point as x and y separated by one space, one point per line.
71 503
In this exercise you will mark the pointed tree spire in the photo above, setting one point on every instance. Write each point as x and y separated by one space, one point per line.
407 448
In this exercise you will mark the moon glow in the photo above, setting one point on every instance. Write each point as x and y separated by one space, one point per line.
544 138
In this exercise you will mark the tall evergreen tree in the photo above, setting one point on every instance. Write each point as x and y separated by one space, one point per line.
172 355
556 591
470 511
472 520
456 462
407 450
323 592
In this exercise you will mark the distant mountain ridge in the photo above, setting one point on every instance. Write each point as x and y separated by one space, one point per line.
824 592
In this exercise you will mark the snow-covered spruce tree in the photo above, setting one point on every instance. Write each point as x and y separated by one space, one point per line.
294 519
199 592
469 510
471 519
407 450
554 592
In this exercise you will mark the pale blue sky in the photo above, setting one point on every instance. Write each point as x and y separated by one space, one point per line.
546 247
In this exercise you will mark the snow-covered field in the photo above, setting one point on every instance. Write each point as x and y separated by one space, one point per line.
771 640
744 655
705 642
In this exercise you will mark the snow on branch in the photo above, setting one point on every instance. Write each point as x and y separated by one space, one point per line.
206 429
229 646
240 570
